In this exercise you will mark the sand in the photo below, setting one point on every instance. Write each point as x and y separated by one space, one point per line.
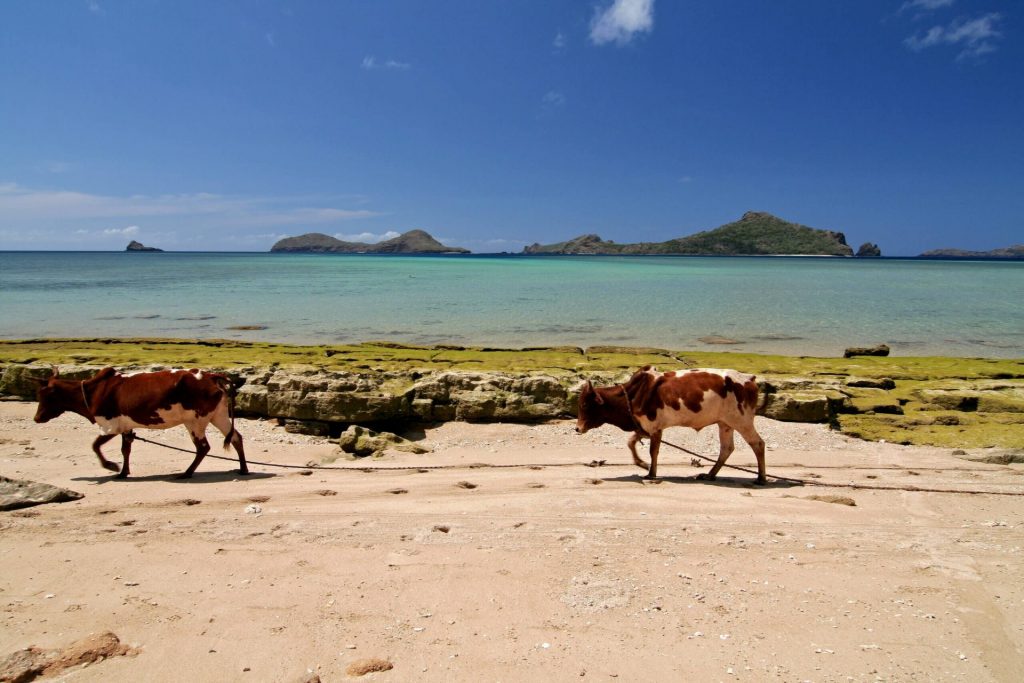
554 574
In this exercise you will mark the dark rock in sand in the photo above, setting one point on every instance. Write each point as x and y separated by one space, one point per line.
19 493
871 383
880 350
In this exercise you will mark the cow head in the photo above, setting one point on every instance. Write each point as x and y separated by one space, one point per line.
591 409
53 399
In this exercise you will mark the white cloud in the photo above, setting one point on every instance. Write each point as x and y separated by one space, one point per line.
686 179
553 99
370 62
559 42
975 37
621 21
94 7
271 41
18 203
130 231
366 237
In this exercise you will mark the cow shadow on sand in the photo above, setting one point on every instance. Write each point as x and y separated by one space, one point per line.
720 481
172 478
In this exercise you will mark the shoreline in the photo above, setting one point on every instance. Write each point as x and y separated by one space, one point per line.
939 401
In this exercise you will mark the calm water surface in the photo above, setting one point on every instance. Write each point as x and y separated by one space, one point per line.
769 305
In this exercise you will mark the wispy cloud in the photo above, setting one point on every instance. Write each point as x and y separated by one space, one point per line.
925 5
53 166
18 203
370 63
621 21
559 42
974 37
130 231
553 99
366 237
271 40
94 7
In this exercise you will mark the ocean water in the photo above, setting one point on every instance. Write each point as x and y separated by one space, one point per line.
796 306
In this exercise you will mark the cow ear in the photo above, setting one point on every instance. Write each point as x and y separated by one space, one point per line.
598 398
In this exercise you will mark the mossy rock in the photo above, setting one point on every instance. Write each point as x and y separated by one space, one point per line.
797 407
873 404
362 442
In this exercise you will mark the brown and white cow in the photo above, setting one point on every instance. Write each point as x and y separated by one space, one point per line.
119 403
652 401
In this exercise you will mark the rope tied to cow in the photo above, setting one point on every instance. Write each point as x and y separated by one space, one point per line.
594 463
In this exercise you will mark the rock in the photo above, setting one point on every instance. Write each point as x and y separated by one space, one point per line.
880 350
138 246
32 662
869 249
251 399
19 493
310 427
333 397
363 442
871 382
797 407
361 667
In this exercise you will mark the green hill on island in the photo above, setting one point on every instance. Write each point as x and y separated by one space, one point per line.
1015 251
756 233
412 242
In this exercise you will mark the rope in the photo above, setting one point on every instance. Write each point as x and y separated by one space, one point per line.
594 463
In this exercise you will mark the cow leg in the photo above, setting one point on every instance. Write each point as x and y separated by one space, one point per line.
652 473
634 439
126 453
202 448
756 443
231 437
725 448
100 440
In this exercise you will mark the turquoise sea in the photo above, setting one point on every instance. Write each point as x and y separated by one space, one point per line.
796 306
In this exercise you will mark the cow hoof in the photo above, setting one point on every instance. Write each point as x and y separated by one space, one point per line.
761 481
121 475
107 465
651 479
704 476
242 472
184 475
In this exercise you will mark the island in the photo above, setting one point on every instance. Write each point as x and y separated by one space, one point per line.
1015 251
755 233
139 246
412 242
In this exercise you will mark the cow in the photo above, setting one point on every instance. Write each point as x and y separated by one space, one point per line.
651 401
120 403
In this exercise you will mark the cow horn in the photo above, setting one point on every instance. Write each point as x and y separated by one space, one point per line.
56 372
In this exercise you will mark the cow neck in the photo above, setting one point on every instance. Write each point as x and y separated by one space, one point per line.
85 398
629 409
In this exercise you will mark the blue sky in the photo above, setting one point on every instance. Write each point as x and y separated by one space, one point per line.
492 125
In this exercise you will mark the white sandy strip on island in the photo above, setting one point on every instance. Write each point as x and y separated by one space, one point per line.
566 573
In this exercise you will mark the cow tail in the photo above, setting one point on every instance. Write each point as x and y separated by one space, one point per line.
229 388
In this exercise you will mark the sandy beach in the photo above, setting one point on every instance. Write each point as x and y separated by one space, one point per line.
515 574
